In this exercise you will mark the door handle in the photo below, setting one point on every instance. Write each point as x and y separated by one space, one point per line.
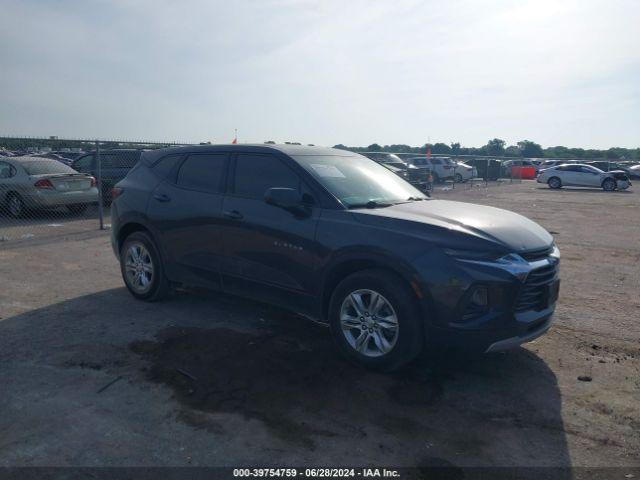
161 197
233 214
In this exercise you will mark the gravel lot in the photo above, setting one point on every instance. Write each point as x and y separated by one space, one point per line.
205 379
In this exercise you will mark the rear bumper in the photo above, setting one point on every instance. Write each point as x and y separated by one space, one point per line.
49 199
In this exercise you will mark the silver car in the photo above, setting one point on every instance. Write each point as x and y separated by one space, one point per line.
580 175
31 182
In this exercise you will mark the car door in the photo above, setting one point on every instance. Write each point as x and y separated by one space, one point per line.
590 176
270 253
186 210
570 175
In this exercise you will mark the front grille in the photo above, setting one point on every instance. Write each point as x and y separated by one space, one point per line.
533 293
539 254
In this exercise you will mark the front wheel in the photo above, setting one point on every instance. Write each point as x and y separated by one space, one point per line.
375 320
142 268
554 182
609 185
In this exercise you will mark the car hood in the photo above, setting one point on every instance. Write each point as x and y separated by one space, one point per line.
501 228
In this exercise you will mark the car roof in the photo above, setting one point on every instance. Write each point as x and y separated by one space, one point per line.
287 149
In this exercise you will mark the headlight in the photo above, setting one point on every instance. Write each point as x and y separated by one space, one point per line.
556 252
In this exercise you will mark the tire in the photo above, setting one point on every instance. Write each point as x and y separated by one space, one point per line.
384 348
143 274
458 178
15 205
609 185
554 182
78 208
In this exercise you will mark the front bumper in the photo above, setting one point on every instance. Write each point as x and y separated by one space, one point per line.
516 341
522 297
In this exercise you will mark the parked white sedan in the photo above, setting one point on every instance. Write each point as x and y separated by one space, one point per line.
579 175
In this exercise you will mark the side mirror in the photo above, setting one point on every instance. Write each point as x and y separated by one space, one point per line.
288 199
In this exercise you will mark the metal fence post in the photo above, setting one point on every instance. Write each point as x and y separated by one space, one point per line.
99 181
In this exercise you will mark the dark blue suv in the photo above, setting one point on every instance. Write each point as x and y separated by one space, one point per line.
337 237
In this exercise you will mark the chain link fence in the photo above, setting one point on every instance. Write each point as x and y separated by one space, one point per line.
55 188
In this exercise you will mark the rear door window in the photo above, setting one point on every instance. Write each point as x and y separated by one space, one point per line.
203 172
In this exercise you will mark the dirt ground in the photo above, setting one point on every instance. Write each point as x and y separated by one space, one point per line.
91 377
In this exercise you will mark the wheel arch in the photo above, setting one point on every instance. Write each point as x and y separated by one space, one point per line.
347 265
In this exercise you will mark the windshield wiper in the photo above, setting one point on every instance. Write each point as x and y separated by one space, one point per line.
370 204
416 199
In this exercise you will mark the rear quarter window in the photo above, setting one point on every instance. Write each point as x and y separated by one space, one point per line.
203 172
166 165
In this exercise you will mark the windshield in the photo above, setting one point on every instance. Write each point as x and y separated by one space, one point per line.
358 181
43 167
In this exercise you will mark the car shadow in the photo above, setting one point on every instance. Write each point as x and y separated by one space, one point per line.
584 189
223 358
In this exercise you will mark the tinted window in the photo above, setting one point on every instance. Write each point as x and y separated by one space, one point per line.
83 163
257 173
6 170
203 172
165 165
125 159
436 161
106 160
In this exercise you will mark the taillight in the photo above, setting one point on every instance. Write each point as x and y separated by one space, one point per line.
116 192
44 184
93 181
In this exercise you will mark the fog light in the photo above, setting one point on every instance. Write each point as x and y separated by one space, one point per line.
480 297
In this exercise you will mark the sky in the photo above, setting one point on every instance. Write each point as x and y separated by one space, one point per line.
558 72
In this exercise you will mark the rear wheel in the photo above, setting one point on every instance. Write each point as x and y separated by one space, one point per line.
142 268
609 184
78 208
375 320
458 178
15 205
554 182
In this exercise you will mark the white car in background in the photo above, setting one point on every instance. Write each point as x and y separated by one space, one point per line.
444 168
579 175
464 172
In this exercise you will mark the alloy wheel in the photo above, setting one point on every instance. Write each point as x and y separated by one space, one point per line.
15 206
139 268
369 323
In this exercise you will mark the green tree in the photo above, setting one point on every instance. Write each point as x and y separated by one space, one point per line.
530 149
495 147
374 147
455 148
440 148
